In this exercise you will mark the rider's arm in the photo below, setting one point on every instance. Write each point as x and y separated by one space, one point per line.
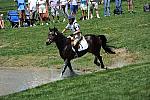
78 31
64 30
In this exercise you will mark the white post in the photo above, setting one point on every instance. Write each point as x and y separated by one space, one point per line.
89 4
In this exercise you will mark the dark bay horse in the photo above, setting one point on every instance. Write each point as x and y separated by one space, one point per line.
67 54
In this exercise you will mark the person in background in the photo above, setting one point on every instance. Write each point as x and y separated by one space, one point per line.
73 7
64 7
95 5
106 7
75 29
83 5
118 6
1 22
32 9
21 8
41 6
54 4
101 1
130 6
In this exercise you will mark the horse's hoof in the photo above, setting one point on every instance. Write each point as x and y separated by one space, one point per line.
98 64
61 75
102 66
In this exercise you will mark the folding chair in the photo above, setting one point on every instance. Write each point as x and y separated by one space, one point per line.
13 17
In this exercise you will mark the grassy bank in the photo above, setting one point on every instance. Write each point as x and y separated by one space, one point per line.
129 83
26 47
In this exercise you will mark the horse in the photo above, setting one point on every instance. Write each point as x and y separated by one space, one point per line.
67 53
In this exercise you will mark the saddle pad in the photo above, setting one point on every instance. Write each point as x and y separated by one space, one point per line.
83 44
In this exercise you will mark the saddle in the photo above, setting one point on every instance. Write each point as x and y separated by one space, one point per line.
81 44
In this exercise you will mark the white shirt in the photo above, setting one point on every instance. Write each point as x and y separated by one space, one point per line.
43 2
73 27
42 5
63 2
73 2
32 5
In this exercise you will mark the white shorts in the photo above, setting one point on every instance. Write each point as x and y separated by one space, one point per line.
42 9
95 5
83 7
33 8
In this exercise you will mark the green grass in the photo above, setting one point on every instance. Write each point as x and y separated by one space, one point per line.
129 31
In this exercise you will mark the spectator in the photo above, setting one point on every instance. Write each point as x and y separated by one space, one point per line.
130 6
21 8
101 1
73 7
1 22
64 7
32 9
90 9
41 5
95 5
106 7
83 8
54 4
118 6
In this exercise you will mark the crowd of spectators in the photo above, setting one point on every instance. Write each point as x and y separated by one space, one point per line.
50 9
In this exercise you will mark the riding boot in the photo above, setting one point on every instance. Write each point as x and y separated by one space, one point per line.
76 51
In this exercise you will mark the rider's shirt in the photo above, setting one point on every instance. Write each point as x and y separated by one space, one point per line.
73 27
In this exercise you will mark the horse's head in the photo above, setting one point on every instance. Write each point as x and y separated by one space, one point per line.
52 35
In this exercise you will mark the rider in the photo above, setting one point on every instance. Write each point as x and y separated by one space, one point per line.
75 28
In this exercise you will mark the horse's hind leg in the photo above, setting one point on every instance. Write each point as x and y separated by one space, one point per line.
96 61
101 61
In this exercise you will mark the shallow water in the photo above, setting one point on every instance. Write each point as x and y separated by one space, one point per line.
18 79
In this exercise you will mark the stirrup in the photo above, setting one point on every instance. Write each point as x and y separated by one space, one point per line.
76 55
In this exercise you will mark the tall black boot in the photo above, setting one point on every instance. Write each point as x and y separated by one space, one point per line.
76 50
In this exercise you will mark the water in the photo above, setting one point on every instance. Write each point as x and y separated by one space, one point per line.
18 79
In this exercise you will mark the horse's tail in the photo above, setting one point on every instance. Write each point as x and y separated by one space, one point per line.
105 46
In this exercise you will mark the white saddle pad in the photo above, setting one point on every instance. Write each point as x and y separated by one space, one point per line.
83 44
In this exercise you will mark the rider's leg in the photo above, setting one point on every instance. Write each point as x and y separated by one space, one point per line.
75 46
76 41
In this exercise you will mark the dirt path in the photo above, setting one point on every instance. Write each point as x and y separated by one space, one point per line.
17 79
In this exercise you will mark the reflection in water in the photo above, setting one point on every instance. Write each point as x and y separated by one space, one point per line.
18 79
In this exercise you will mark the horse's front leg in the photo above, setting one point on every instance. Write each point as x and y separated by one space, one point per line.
64 67
72 73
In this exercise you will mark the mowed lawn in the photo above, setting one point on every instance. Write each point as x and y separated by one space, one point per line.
26 47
